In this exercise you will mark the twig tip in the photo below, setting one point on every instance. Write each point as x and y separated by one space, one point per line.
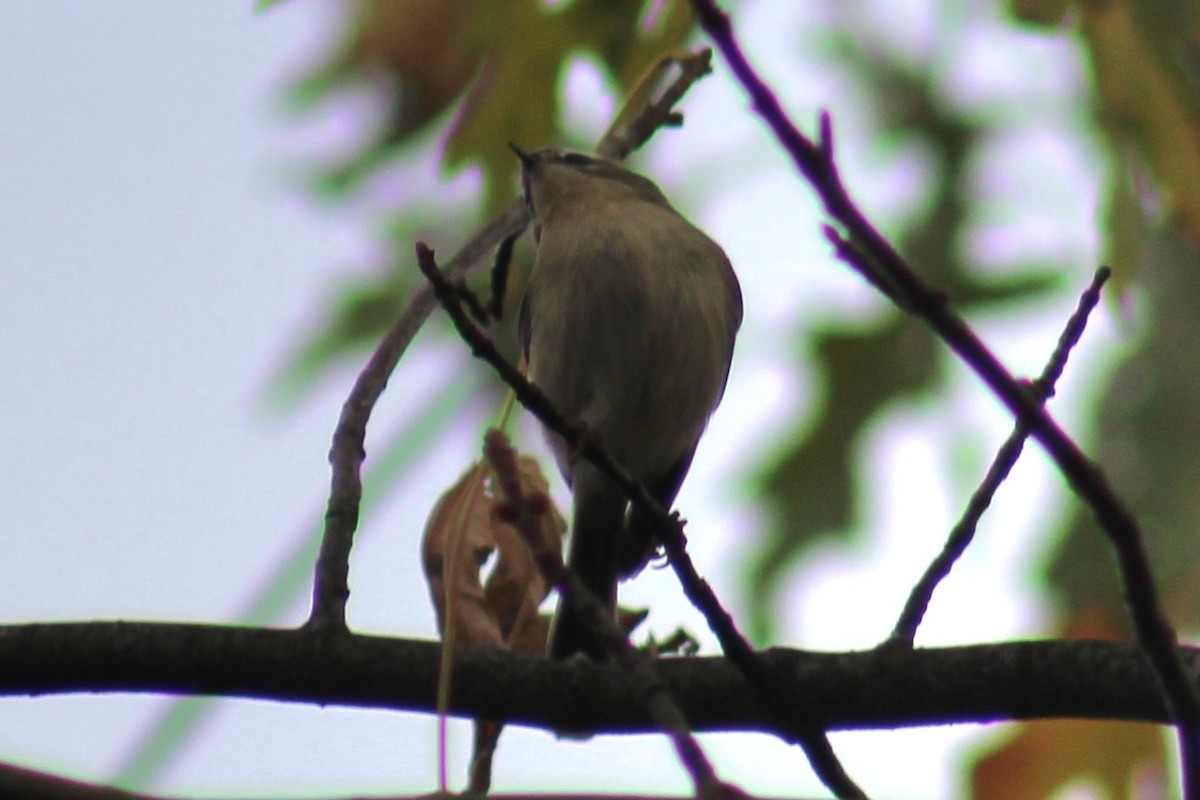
825 134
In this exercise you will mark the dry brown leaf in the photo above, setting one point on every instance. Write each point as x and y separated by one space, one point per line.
461 537
1045 757
1143 100
1123 759
516 587
423 44
458 541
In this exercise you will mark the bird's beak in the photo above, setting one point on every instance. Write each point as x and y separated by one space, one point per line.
526 159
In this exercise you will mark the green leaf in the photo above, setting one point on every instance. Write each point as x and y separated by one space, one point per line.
1146 443
1147 99
514 98
811 485
1039 13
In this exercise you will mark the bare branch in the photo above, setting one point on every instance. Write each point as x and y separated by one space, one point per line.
963 532
872 689
623 137
656 695
331 575
875 254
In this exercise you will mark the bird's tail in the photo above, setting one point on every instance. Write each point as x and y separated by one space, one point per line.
599 516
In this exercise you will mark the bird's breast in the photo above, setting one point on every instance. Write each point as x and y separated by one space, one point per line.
631 332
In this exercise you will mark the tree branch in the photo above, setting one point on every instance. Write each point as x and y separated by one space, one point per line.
638 665
963 532
875 258
888 688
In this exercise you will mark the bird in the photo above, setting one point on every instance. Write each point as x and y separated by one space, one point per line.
627 325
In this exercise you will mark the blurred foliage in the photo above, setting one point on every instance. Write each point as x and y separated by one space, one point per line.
1145 67
487 73
1046 757
1145 60
502 60
812 484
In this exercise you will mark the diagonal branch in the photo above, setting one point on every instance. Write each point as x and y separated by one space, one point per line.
668 526
963 532
875 256
331 574
638 665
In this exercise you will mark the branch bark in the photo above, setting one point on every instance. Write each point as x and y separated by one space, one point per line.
882 688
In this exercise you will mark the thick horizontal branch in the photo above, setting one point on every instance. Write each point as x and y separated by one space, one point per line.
885 688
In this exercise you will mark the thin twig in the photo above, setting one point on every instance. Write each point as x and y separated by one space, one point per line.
963 532
623 138
526 513
331 573
530 396
813 741
667 525
815 161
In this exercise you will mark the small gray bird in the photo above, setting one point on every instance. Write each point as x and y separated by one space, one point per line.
628 326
